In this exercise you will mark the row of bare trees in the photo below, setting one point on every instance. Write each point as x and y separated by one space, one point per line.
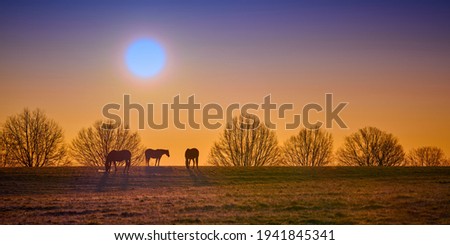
31 139
247 146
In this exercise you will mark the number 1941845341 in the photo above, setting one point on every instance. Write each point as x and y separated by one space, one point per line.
303 235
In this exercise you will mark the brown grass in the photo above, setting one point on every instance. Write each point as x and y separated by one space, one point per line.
173 195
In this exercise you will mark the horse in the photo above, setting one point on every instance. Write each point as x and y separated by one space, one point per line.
118 156
150 153
191 154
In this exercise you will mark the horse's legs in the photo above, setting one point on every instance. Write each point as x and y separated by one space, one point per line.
115 166
196 162
127 166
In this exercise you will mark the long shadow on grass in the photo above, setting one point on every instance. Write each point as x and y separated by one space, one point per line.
198 177
124 182
101 186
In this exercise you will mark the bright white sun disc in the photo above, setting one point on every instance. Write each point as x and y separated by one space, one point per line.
145 58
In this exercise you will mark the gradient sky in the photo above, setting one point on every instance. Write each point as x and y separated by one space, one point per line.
389 59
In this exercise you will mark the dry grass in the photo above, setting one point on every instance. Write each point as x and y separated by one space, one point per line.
173 195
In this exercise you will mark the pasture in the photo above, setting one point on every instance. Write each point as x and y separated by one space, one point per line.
214 195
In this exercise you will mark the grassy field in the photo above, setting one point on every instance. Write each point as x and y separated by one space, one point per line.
212 195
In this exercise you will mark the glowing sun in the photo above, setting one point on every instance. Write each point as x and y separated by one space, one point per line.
145 58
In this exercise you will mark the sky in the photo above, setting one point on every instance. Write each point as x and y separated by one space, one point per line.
388 59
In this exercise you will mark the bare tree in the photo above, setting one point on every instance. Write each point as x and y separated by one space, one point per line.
426 156
92 145
446 162
310 147
6 159
245 142
3 151
371 147
31 139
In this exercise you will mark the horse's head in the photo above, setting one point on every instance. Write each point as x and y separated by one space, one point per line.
167 153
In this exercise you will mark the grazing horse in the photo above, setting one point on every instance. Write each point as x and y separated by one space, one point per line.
118 156
150 153
191 154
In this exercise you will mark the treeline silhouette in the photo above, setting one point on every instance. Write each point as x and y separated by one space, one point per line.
31 139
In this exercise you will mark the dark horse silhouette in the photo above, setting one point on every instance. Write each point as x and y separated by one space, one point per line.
118 156
150 153
191 154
